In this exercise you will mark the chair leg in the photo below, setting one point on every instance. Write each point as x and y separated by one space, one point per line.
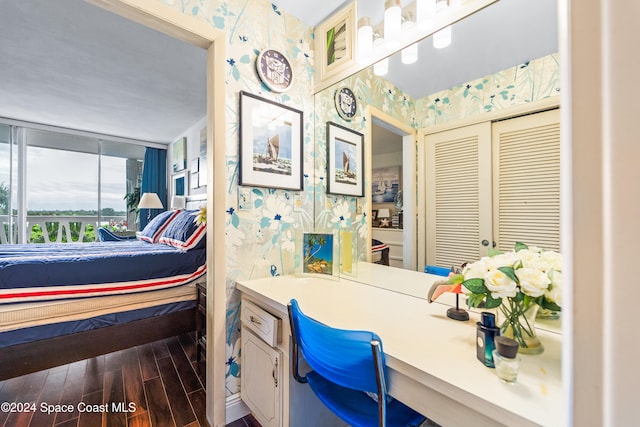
294 350
382 384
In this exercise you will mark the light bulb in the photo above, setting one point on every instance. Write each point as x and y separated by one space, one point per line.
410 53
381 67
425 13
392 22
365 40
442 38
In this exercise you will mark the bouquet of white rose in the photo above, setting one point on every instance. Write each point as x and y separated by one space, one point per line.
519 282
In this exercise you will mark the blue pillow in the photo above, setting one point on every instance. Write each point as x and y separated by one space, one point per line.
157 225
184 232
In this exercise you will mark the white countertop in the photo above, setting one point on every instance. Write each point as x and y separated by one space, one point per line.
417 285
422 344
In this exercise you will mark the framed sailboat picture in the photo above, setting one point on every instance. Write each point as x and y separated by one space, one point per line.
270 144
345 156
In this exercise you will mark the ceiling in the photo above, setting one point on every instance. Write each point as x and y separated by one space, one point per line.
71 64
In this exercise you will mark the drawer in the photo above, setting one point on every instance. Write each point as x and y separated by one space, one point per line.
264 324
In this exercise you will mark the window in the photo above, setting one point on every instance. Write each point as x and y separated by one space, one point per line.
8 202
72 183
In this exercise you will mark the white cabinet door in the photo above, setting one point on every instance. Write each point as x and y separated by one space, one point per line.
261 384
492 182
458 195
526 181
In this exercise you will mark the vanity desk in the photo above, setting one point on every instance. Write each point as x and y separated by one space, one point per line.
431 359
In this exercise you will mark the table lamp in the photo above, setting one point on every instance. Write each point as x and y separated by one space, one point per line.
384 215
178 202
150 201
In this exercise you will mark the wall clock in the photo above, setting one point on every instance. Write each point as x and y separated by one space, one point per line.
274 70
346 103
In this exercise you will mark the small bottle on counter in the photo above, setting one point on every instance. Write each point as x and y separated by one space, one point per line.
506 358
486 333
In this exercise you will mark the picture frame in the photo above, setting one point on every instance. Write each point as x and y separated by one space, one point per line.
203 143
374 214
348 253
179 154
385 184
195 165
271 141
179 184
202 176
194 180
335 41
345 161
319 254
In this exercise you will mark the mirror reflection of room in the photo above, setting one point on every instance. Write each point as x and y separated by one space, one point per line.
386 195
480 74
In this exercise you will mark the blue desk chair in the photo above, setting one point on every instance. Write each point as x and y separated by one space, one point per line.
438 271
104 235
345 366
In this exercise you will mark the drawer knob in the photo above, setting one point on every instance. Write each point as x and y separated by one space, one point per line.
255 320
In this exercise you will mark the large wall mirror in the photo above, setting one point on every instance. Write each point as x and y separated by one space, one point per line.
502 55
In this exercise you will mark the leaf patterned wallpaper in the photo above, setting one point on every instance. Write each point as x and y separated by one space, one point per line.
262 223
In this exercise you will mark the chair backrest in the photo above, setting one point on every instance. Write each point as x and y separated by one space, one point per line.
105 235
438 271
344 357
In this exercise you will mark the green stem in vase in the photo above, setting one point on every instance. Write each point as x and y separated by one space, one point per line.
515 316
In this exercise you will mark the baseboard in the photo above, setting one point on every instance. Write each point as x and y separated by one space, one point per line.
236 408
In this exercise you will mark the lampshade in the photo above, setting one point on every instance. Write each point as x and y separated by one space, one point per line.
178 202
365 40
150 201
384 213
392 22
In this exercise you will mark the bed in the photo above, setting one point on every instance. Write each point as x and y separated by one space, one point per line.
61 303
379 252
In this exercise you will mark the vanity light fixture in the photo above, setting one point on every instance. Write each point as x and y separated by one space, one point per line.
392 22
365 40
442 38
381 67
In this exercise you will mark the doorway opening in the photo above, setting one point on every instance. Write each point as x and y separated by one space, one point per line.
393 188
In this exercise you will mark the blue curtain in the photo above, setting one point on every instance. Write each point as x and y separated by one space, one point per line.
154 180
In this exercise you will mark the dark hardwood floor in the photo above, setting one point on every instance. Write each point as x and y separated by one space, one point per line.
157 384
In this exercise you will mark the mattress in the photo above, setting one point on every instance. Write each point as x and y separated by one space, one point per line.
24 315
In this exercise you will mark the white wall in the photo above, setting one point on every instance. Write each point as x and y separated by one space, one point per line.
601 207
193 152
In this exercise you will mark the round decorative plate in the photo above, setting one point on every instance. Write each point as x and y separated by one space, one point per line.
274 70
346 103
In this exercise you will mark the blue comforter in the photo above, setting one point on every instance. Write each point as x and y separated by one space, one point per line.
39 272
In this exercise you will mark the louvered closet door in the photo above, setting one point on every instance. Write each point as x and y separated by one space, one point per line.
458 195
526 156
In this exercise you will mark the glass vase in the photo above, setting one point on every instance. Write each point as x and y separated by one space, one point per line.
520 324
